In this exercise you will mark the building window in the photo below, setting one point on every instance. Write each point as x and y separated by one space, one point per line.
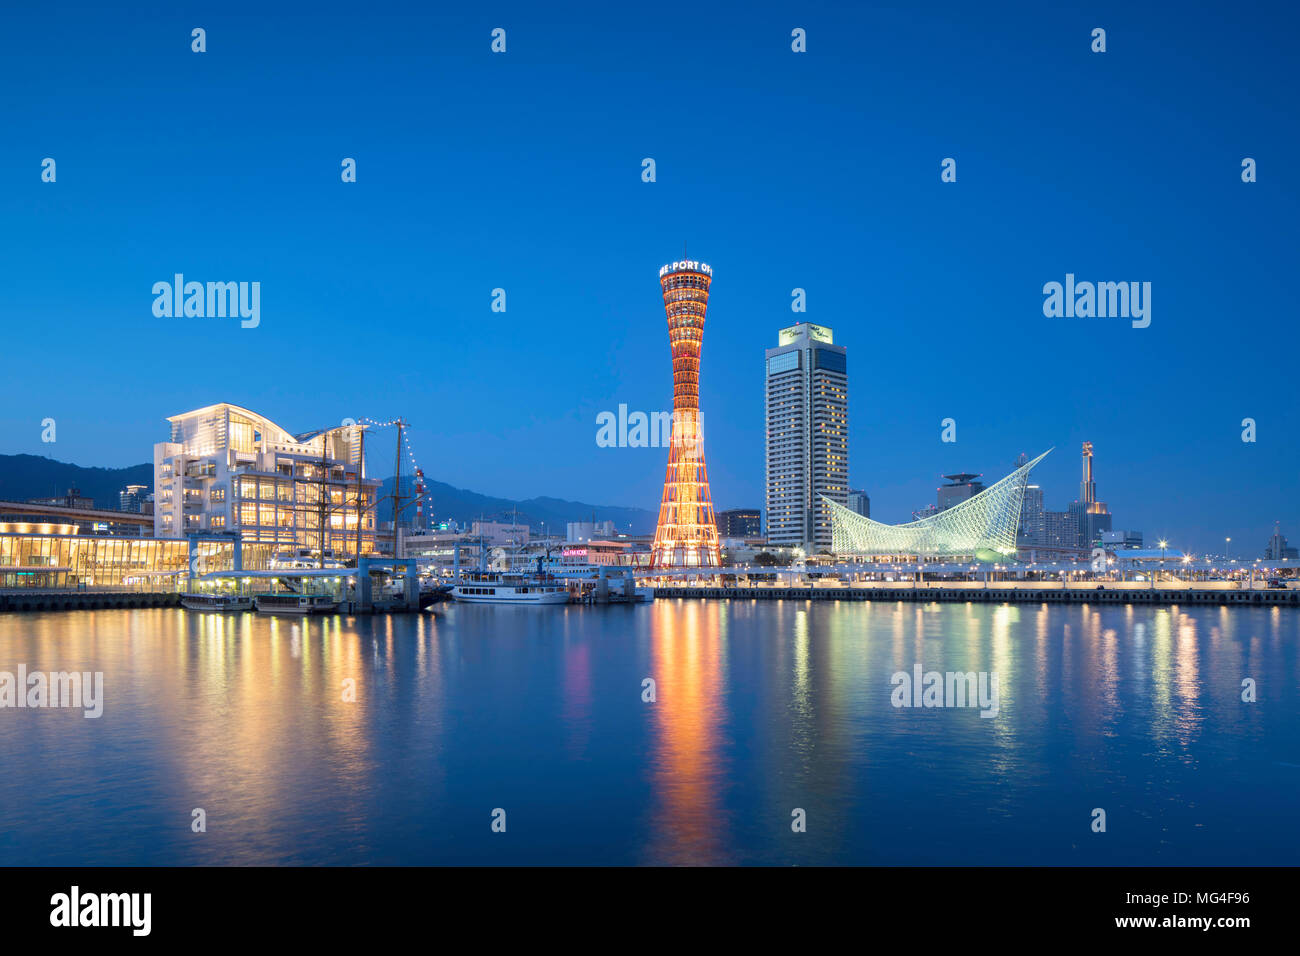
783 363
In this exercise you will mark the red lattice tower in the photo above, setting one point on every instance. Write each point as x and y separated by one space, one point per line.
687 534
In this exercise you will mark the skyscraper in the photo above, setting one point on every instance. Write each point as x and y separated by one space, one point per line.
1092 516
1277 548
131 498
807 435
687 535
960 487
740 523
1032 522
859 502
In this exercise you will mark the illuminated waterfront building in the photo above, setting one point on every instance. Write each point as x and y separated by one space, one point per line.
807 451
982 527
228 469
686 535
48 556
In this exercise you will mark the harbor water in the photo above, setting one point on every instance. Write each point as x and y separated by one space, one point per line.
684 731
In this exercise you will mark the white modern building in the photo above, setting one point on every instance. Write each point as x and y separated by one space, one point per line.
500 534
807 388
229 469
579 532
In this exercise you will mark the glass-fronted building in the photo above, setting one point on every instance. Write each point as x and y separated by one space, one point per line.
52 557
50 561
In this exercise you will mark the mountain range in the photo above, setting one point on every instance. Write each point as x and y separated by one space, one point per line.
32 476
447 502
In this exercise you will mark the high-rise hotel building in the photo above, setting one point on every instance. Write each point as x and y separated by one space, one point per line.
807 436
229 469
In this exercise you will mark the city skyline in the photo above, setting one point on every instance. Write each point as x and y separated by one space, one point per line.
354 507
912 273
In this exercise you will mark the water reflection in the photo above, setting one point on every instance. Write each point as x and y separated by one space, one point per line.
688 657
388 739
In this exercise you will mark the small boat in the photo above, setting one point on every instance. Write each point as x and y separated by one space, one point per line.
305 559
217 602
297 604
434 594
487 587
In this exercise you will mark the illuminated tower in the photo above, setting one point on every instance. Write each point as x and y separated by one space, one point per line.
1087 487
1090 515
687 536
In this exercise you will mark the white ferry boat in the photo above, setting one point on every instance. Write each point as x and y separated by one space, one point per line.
217 602
488 587
297 604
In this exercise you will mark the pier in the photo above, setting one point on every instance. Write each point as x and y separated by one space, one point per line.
89 600
1023 594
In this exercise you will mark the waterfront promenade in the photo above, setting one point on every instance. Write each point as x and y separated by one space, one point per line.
1205 593
1001 592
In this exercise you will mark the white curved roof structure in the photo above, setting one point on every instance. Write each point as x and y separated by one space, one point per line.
219 412
987 522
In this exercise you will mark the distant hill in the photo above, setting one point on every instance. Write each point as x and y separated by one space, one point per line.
465 506
31 476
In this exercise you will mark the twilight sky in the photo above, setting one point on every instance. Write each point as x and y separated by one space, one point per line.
522 171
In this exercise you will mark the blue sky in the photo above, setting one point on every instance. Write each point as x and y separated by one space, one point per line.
523 171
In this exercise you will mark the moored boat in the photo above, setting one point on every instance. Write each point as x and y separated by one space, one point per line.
486 587
217 602
297 604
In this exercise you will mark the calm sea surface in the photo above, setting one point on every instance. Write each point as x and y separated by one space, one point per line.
761 708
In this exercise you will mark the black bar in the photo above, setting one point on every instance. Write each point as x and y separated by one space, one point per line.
328 906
